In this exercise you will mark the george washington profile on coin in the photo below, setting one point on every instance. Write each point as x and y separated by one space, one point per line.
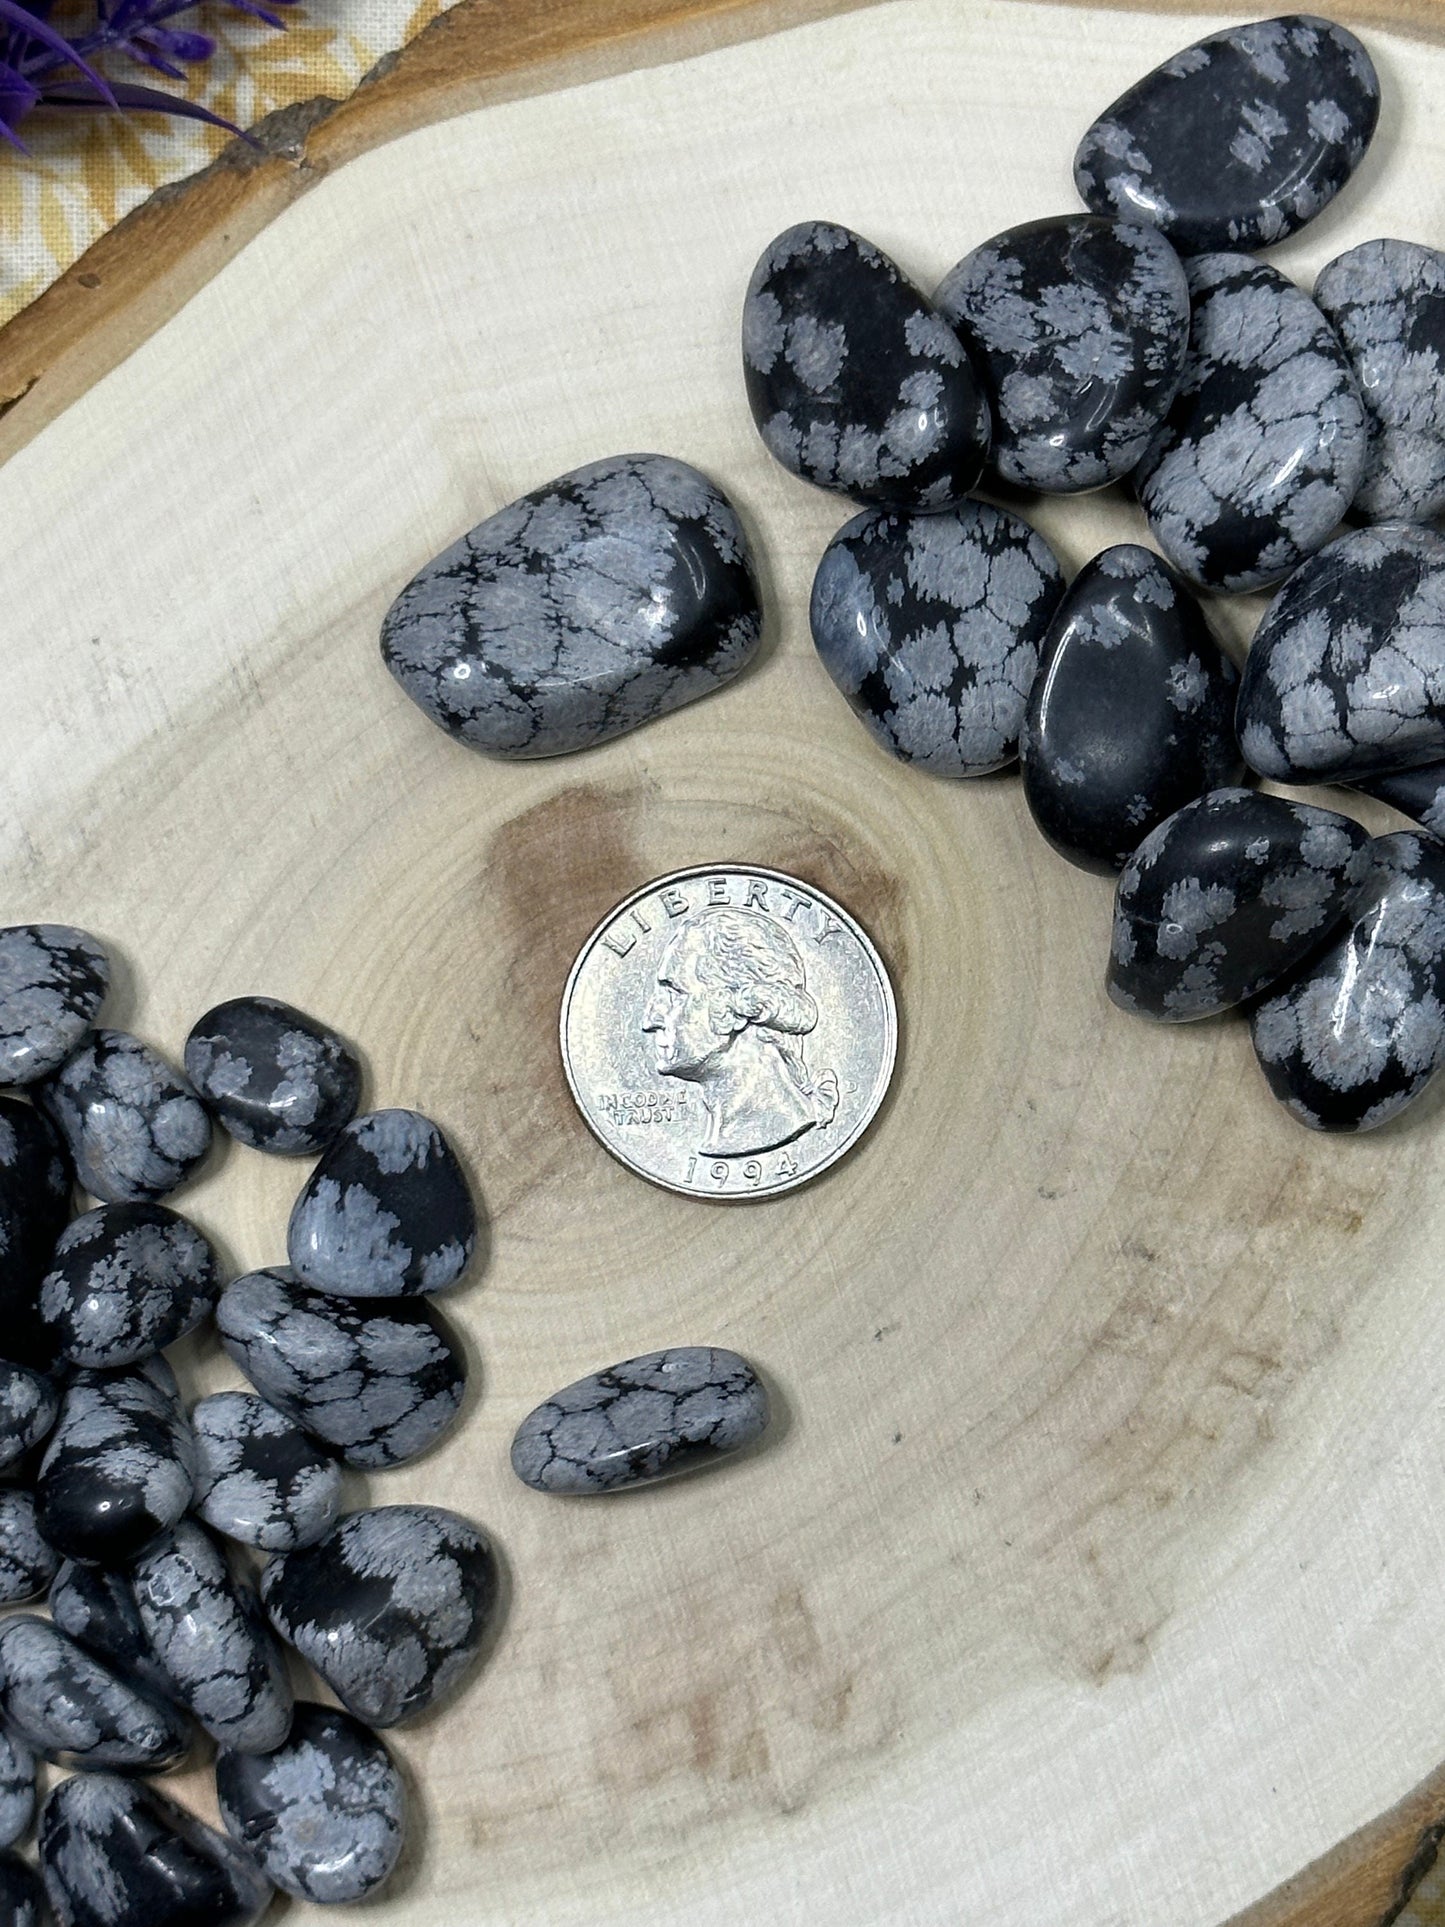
729 1012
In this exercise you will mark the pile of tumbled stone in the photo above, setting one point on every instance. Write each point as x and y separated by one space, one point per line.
1139 344
121 1503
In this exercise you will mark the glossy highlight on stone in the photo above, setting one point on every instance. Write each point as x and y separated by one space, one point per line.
855 380
646 1419
1131 714
1360 1031
135 1127
120 1465
114 1853
613 595
69 1707
1264 445
1386 302
207 1631
1078 327
17 1792
385 1213
98 1610
1229 895
275 1079
1239 139
22 1898
389 1608
53 980
27 1563
259 1479
36 1179
931 627
127 1280
1346 675
378 1381
29 1405
324 1814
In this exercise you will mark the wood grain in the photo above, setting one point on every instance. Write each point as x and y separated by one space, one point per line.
1093 1576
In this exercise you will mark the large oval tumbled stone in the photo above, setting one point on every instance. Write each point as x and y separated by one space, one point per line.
612 595
1346 675
1263 448
931 627
135 1127
385 1213
1359 1033
646 1419
115 1853
1238 140
65 1704
855 380
120 1465
324 1814
1078 327
1132 711
1386 302
1232 893
126 1281
390 1607
276 1079
378 1381
53 980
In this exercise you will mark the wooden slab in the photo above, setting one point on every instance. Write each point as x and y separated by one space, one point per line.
1094 1575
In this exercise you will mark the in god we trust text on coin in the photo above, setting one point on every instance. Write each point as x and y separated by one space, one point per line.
728 1032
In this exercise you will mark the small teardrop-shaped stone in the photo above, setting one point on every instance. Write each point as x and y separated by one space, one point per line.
98 1610
27 1562
1238 140
931 626
115 1852
324 1814
29 1405
120 1466
378 1380
259 1479
1264 445
387 1211
17 1792
1078 327
65 1704
1359 1031
646 1419
276 1079
53 980
1386 302
615 594
1131 713
208 1633
1346 675
1226 897
135 1127
855 380
389 1608
22 1898
127 1280
36 1180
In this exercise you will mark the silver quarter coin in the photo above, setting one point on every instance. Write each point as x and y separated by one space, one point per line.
728 1032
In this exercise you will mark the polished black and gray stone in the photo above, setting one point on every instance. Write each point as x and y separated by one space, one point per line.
276 1079
120 1465
65 1704
126 1280
135 1127
53 980
260 1479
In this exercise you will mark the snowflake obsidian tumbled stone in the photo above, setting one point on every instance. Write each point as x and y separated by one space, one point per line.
27 1563
98 1610
1264 446
1131 713
855 380
53 980
378 1381
22 1898
65 1704
1358 1034
17 1790
276 1079
386 1212
646 1419
931 625
135 1127
390 1607
35 1186
29 1402
1238 140
1416 793
120 1465
1078 327
259 1478
1228 896
115 1853
324 1814
612 595
126 1281
1346 676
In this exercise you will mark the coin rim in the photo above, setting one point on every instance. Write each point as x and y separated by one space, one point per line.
890 1010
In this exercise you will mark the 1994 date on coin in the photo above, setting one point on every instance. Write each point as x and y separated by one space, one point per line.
728 1032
